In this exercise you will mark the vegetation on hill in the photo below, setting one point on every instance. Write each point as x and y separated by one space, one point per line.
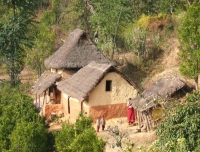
17 17
189 34
21 128
31 31
138 26
180 130
80 136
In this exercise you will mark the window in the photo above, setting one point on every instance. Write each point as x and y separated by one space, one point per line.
108 85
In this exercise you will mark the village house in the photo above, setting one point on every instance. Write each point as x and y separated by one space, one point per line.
98 90
81 78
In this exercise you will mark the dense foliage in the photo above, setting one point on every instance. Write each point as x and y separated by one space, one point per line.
80 137
189 35
21 128
129 25
115 21
17 16
180 131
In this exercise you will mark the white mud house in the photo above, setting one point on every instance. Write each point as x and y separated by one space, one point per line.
81 78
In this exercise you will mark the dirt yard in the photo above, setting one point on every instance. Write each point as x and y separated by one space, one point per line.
140 139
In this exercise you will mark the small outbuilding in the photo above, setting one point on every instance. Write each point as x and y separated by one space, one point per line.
150 103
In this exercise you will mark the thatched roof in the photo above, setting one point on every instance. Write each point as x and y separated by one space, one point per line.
45 81
162 89
76 52
85 80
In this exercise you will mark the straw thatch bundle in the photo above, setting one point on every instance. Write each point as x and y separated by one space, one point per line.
76 52
45 81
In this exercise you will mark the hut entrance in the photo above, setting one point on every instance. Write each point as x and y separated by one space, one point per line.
54 94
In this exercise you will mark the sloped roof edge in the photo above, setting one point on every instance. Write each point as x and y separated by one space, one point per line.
76 52
45 81
82 83
161 89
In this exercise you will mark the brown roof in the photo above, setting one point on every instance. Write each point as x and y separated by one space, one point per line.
161 89
85 80
76 52
45 81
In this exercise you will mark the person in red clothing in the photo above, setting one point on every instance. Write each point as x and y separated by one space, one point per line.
130 112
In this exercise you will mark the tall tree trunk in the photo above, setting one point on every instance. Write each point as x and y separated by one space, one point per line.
116 30
12 55
87 29
196 83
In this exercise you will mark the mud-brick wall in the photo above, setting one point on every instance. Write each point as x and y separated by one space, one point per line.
52 108
109 111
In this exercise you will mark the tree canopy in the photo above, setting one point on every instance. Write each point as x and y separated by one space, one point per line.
21 127
80 136
15 37
189 36
180 130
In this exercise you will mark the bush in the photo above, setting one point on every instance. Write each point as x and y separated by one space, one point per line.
80 137
21 127
181 130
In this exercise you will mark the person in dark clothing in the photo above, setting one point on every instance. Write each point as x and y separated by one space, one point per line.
103 123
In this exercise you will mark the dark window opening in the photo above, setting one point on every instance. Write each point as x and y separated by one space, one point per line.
54 94
108 85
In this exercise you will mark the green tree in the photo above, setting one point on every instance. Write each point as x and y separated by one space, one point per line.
189 36
28 136
180 131
18 16
79 137
20 124
109 16
135 40
44 42
168 6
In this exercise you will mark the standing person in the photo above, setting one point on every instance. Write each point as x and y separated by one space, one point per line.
130 112
103 123
98 124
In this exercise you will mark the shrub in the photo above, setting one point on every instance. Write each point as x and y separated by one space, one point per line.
181 130
80 137
21 127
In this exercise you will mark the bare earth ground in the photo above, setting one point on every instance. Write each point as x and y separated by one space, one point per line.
140 139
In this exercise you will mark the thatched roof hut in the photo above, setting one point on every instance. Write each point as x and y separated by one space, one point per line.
145 102
45 81
163 88
84 81
76 52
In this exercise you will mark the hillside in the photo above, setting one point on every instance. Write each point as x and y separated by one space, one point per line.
168 64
